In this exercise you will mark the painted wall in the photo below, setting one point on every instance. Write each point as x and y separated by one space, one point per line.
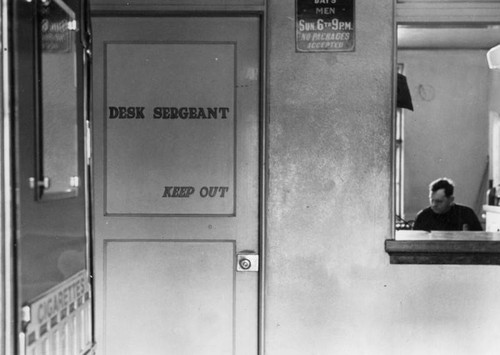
330 287
447 133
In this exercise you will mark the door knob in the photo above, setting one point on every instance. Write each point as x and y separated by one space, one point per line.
247 262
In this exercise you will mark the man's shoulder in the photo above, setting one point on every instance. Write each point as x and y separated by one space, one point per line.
424 211
463 208
423 219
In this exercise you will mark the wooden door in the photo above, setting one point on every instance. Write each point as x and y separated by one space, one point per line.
176 184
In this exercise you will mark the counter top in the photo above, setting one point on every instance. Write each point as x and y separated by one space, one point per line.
447 235
490 208
464 248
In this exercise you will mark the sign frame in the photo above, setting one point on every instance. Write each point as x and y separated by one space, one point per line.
324 26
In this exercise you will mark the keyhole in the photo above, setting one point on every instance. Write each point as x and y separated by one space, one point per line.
245 264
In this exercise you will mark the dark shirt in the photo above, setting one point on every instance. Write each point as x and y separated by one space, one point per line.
453 220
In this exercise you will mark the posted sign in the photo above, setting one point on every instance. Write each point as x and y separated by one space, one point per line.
170 128
324 25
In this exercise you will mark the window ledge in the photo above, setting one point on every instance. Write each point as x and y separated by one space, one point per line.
463 252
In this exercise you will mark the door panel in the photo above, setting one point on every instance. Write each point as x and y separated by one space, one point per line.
182 97
176 172
52 222
158 268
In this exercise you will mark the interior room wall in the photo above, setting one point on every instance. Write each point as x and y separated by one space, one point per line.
330 287
447 133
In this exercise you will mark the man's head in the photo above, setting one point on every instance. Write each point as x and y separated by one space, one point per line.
441 195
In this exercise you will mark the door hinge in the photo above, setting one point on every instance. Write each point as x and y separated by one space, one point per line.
45 183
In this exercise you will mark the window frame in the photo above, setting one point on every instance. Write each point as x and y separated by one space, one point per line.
429 251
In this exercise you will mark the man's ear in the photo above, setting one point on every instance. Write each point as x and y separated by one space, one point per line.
452 199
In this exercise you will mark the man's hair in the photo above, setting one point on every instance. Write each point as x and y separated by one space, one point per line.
443 183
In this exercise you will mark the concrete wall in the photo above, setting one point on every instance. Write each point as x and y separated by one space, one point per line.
330 287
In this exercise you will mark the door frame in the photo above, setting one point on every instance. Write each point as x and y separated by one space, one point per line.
8 314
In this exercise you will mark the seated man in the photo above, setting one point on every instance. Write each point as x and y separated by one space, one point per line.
443 214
